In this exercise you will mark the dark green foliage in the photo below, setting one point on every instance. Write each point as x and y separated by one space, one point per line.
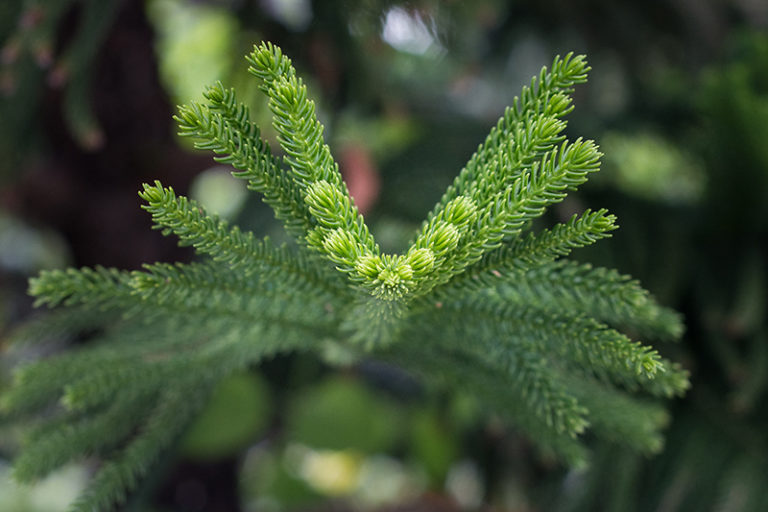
716 445
29 35
471 302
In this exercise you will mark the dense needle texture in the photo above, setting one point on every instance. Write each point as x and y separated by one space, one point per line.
477 300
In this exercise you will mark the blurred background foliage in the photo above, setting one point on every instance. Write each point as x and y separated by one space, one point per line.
678 100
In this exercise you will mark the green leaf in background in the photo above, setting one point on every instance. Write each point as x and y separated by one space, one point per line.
195 44
342 414
238 411
433 444
648 166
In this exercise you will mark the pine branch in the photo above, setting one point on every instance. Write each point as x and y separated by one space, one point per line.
341 233
212 236
446 368
545 97
211 341
617 417
602 293
97 287
528 369
96 433
58 325
221 349
598 292
301 136
208 234
549 245
512 178
535 250
299 132
471 303
558 171
224 127
175 408
510 210
40 384
576 340
198 284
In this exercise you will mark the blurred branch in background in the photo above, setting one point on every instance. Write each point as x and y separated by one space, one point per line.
407 89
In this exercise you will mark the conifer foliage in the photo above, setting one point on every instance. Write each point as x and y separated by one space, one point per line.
474 301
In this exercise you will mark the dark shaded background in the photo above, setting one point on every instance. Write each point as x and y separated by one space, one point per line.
677 85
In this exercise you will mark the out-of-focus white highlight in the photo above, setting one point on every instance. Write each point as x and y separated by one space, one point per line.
409 32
